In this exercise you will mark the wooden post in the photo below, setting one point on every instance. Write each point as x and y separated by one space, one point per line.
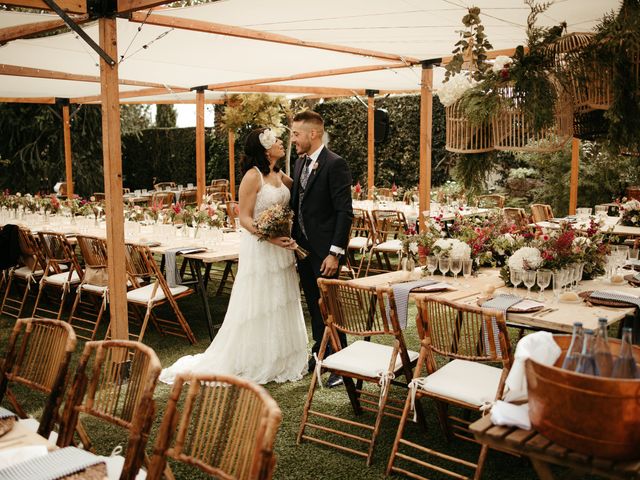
426 125
201 177
66 124
114 208
371 152
575 166
232 164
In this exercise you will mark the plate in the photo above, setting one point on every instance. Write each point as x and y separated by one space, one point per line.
605 303
436 287
632 280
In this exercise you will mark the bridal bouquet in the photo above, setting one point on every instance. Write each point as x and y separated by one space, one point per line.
276 221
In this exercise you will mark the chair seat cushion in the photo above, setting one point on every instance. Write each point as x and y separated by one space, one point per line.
143 294
394 245
25 272
364 358
465 381
97 288
358 243
62 278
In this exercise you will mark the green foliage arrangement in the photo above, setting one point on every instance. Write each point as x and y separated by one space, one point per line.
257 109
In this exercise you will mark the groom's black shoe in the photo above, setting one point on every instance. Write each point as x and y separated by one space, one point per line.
334 380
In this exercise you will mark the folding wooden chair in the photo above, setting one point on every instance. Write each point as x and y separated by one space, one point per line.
114 383
61 274
490 201
388 225
225 426
516 215
38 355
361 312
142 267
160 198
541 212
163 185
189 197
466 337
361 239
21 279
92 294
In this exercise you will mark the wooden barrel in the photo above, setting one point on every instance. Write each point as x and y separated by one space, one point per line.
591 415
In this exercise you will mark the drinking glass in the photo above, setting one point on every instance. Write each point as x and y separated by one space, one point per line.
543 281
567 275
467 269
633 254
529 280
601 211
443 265
516 278
455 266
432 264
558 283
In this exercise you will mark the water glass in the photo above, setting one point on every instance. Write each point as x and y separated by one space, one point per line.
443 265
558 279
467 269
432 264
515 275
633 254
529 280
456 266
543 281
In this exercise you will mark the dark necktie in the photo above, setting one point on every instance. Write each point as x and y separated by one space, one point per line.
304 177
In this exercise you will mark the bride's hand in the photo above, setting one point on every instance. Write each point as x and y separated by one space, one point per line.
284 242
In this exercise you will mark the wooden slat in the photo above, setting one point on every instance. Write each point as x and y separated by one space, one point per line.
66 125
42 100
145 92
20 31
482 425
242 32
126 6
518 437
539 442
498 432
70 6
556 450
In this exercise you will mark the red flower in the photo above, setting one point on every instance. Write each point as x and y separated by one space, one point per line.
358 188
394 188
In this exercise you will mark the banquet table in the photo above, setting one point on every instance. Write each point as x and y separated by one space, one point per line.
555 317
411 212
610 225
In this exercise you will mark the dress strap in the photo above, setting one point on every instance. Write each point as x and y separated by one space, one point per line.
261 176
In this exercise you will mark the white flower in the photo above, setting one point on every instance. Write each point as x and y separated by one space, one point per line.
508 238
525 256
500 62
452 90
452 247
267 138
581 242
413 248
632 205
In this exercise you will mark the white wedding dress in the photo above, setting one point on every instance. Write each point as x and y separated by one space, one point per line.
263 337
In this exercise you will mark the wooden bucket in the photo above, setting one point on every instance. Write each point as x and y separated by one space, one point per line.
462 137
591 415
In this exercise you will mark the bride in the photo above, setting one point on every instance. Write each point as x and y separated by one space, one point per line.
263 337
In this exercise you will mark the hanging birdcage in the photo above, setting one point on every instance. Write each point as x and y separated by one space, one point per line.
462 136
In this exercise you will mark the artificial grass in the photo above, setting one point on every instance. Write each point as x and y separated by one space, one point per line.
305 461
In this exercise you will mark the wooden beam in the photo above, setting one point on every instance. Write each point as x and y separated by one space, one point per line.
126 6
17 71
48 100
20 31
241 32
426 126
169 102
575 168
302 76
66 125
333 91
370 145
232 164
491 54
201 177
145 92
114 208
69 6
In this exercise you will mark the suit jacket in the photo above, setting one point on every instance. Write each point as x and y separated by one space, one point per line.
326 205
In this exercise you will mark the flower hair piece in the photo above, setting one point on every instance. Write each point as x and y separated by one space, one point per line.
267 138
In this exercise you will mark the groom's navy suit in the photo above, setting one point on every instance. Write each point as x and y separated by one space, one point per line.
326 214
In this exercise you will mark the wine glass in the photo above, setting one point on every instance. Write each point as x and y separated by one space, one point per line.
443 265
467 270
432 264
529 280
543 279
456 266
515 275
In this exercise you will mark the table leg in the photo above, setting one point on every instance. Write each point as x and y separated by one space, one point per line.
196 267
542 469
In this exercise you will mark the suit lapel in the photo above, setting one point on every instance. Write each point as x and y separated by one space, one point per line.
320 163
296 177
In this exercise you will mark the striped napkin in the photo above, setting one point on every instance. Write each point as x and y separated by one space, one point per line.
171 266
502 303
4 413
616 296
57 464
401 294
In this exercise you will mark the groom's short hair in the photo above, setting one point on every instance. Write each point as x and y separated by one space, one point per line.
311 117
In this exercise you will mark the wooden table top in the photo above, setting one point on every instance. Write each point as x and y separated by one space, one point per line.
541 450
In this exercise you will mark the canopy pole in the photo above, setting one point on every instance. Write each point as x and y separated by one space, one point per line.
232 164
370 143
114 208
426 126
201 177
575 167
66 124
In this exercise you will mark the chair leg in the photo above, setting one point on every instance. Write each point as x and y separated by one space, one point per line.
307 406
399 432
481 459
443 418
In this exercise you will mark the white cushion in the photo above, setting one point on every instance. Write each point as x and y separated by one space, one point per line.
394 245
358 243
62 278
93 288
25 272
465 381
364 358
143 294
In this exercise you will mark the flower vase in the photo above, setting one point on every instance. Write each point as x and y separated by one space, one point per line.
14 214
423 252
73 219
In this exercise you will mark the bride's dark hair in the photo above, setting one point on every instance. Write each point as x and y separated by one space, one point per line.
255 155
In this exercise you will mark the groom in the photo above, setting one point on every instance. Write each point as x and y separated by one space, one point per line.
321 200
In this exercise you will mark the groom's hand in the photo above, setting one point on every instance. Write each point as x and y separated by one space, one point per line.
329 266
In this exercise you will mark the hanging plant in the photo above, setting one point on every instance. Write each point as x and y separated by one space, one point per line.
255 109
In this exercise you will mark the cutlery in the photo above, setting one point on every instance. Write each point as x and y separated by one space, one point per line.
548 311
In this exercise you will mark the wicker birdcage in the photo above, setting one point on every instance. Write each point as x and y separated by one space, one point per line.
462 136
512 132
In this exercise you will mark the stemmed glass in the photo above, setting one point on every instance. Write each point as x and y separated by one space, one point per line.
529 280
467 270
443 265
543 281
515 275
558 282
456 266
432 264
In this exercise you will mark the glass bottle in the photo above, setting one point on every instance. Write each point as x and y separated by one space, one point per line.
604 361
625 365
587 362
573 353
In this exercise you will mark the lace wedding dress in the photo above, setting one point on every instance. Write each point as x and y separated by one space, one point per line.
263 337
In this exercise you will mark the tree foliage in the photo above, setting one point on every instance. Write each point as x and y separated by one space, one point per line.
166 116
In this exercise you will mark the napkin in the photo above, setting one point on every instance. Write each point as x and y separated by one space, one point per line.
510 415
401 294
539 346
12 456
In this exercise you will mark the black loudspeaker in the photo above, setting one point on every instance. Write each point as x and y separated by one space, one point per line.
380 125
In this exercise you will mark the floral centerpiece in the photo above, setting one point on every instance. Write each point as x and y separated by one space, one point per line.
51 204
135 213
421 244
451 247
155 209
630 213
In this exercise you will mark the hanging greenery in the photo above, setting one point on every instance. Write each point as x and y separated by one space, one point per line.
255 109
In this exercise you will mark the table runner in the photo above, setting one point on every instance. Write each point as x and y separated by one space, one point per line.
502 303
401 294
57 464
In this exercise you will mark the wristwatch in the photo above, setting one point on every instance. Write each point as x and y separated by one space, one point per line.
336 254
